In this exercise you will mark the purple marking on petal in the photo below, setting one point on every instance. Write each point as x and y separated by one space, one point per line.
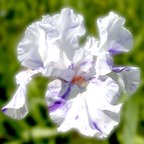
127 69
86 62
4 110
76 117
118 69
114 51
72 27
59 103
89 63
38 63
71 66
67 92
95 126
56 105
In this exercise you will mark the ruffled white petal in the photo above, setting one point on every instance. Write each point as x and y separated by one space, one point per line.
50 40
113 36
68 24
102 98
106 86
128 78
92 111
68 111
36 48
17 107
77 117
70 27
104 63
28 48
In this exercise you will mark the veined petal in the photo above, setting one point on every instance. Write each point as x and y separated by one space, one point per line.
58 98
77 117
130 76
93 112
101 97
104 63
17 107
113 36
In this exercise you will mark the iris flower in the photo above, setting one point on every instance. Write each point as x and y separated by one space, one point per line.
86 85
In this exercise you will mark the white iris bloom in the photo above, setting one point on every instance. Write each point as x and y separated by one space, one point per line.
86 90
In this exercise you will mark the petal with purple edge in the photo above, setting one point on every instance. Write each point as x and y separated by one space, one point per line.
131 78
113 36
17 107
118 69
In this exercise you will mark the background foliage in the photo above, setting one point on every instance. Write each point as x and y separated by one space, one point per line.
36 128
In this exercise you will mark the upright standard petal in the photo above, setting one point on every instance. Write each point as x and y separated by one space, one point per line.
70 27
68 24
52 39
113 36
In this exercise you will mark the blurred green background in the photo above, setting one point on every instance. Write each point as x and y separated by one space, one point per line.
36 128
